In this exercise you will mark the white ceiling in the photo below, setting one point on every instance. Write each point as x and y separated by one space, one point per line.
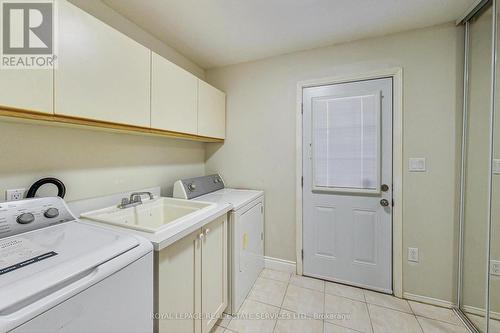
215 33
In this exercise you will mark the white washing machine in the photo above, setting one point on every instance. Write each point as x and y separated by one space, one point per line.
246 230
61 275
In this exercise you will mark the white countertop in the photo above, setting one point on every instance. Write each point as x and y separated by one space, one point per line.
172 233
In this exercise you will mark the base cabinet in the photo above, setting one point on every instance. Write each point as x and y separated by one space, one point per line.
191 281
214 286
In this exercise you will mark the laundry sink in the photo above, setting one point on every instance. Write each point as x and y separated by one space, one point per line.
151 215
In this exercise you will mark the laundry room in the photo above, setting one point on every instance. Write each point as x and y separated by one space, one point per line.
249 166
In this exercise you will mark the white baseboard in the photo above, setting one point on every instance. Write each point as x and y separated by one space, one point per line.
428 300
280 264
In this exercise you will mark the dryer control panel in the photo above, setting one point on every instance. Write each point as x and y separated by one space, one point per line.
30 214
190 188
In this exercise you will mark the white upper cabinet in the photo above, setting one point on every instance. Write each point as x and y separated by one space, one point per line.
211 111
173 97
28 89
102 74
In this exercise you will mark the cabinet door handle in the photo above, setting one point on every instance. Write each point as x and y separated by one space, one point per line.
201 236
207 230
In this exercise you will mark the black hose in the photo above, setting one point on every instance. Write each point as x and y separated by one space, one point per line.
61 189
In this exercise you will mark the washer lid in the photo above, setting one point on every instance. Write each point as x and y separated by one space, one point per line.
35 263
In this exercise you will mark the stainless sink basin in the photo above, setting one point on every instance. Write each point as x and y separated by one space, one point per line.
151 216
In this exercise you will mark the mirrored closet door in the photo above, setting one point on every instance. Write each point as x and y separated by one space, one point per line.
479 283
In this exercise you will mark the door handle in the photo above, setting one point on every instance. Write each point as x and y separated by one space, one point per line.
384 203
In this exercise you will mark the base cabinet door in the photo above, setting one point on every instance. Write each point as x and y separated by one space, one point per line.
177 281
191 281
214 272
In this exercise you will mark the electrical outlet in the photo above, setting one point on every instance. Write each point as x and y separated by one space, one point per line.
16 194
495 267
413 254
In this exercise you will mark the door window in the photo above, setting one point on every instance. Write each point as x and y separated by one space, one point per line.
346 143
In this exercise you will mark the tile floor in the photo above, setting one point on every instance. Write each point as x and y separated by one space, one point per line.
281 302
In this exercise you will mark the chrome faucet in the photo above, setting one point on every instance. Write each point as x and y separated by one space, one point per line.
134 200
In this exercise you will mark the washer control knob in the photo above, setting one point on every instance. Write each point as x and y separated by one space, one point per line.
191 187
51 213
25 218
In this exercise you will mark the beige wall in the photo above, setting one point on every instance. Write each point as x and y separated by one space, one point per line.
93 163
120 23
260 146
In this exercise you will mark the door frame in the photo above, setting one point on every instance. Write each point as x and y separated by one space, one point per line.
397 164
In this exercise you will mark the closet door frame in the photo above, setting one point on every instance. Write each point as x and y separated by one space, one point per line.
466 21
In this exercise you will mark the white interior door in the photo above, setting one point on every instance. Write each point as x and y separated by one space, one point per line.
347 188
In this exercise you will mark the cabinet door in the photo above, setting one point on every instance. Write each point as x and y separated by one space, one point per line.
102 74
173 97
28 89
178 282
211 111
214 272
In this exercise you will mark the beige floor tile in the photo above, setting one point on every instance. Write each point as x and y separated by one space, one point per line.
254 317
268 291
347 313
290 322
307 282
275 275
344 291
385 320
435 326
387 301
218 329
435 312
331 328
304 301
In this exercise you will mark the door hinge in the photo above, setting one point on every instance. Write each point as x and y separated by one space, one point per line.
302 181
262 209
392 202
261 236
302 108
302 254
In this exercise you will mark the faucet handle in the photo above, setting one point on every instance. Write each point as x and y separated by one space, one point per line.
135 198
124 203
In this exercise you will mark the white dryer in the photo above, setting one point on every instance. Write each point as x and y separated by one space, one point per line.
61 275
246 230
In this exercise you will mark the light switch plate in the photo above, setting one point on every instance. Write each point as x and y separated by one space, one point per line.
495 267
496 166
416 164
413 254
